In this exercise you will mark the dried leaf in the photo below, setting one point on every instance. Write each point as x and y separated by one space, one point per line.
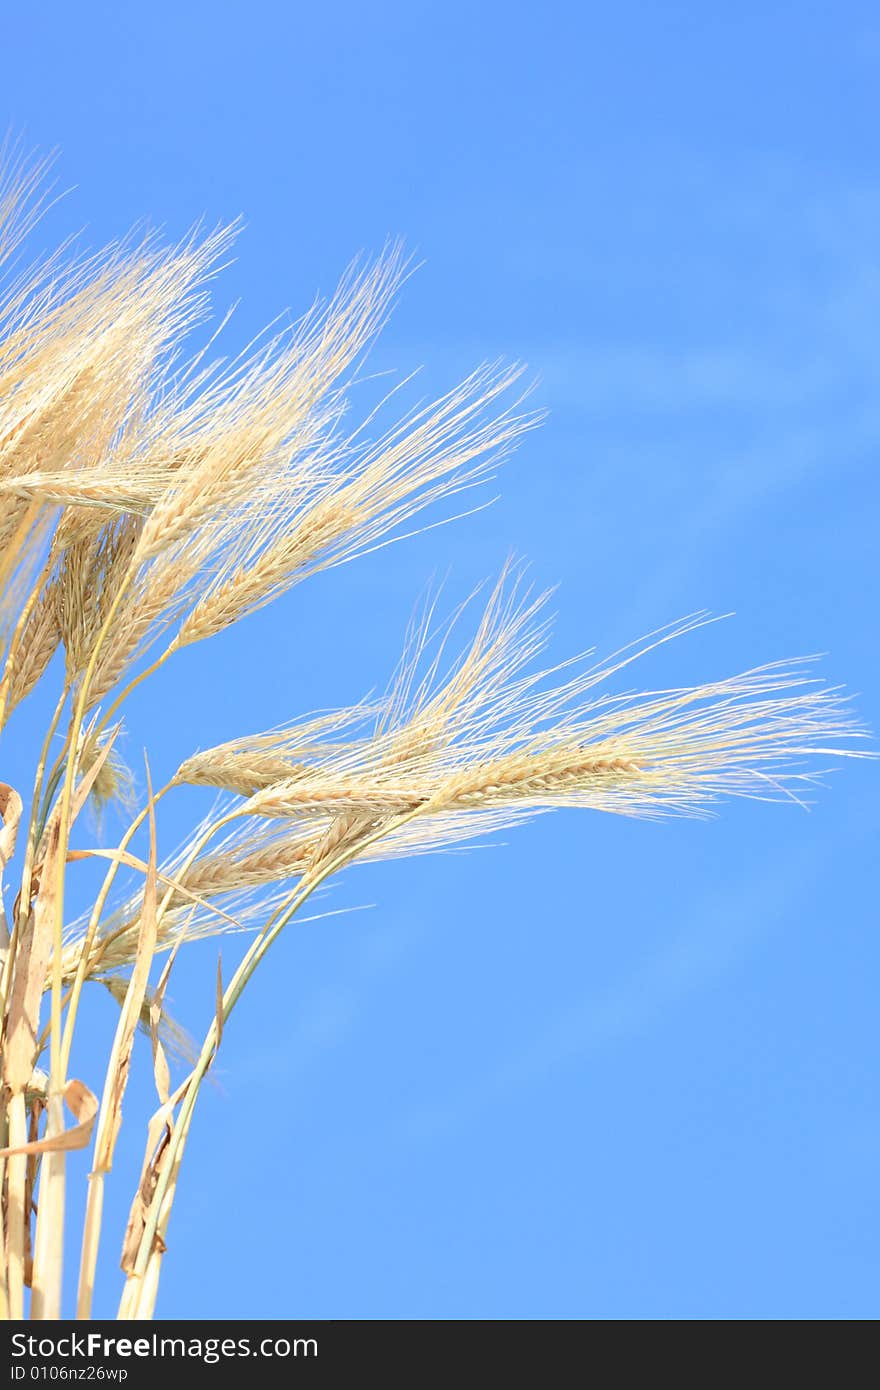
161 1070
159 1132
31 965
83 1105
10 814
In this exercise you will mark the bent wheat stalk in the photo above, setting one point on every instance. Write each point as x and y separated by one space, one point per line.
149 500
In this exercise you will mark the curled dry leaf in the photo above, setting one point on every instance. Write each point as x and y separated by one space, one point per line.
10 814
83 1105
159 1132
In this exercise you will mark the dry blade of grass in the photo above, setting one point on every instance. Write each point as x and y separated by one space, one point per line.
83 1105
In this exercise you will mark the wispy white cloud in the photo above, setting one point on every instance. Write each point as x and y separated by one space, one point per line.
713 939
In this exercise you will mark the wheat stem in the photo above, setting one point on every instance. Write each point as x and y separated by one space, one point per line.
133 685
27 870
104 1139
49 1245
110 1113
158 1209
49 1238
16 1207
4 1292
85 951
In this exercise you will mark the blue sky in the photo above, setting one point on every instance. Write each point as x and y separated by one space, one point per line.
605 1069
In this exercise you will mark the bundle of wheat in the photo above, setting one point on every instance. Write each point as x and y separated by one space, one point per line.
142 496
